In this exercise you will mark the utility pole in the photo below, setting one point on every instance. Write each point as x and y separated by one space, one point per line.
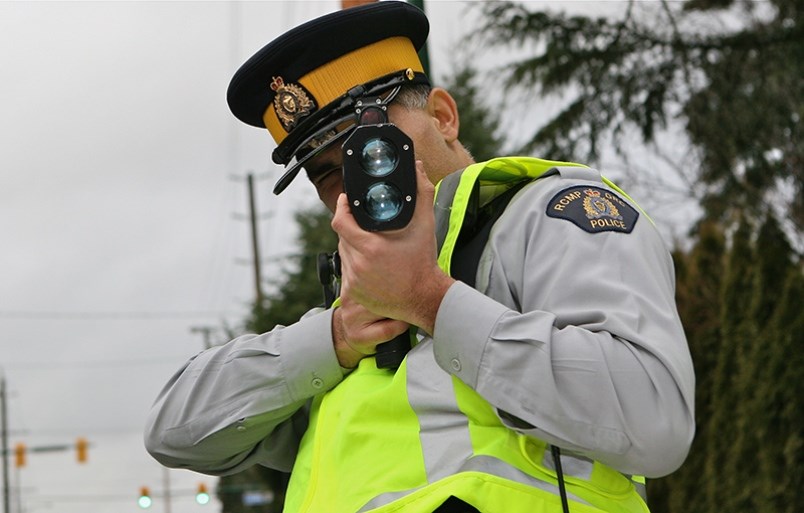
3 410
253 218
166 486
254 240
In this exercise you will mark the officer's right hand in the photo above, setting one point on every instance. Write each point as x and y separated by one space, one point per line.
356 332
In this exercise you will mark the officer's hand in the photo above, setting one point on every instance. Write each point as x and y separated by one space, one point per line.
394 274
356 332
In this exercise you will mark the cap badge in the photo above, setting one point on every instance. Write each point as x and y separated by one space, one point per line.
291 103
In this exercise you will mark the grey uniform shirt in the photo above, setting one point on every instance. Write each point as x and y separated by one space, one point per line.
573 336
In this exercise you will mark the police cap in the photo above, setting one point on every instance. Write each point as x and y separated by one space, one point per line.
303 86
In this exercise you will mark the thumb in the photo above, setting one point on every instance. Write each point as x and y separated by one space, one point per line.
342 213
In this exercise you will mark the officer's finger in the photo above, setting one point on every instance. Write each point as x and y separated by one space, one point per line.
343 221
365 330
425 192
386 329
424 186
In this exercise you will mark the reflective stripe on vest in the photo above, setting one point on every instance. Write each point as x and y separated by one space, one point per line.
405 442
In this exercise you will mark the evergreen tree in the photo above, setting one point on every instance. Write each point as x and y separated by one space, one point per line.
736 89
779 403
743 322
698 292
300 289
480 126
738 92
774 263
771 269
735 337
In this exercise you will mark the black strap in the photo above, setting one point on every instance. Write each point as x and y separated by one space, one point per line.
562 487
476 230
456 505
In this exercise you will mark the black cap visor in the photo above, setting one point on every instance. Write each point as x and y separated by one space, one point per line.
294 167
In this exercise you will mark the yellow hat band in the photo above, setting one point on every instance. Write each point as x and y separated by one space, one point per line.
334 78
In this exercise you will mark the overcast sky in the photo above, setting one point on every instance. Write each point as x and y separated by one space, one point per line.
117 233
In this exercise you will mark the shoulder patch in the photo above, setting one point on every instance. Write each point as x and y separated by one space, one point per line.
593 209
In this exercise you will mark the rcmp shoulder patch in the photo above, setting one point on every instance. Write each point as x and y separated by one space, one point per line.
593 209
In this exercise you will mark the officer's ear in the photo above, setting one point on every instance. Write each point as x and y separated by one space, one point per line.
442 108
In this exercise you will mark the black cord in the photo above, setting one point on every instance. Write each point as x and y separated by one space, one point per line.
562 489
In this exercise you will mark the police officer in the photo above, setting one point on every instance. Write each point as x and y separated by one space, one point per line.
548 375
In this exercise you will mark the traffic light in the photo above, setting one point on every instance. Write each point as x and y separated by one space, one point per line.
19 454
145 500
81 446
202 496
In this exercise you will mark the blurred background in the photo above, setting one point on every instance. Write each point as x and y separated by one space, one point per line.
127 230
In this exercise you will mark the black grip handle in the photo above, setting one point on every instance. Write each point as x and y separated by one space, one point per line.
390 354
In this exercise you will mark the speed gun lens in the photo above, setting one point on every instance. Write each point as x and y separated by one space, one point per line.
379 157
383 202
379 176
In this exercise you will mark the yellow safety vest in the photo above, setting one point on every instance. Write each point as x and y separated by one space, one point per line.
386 442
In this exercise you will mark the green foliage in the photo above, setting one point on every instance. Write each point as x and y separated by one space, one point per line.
699 283
779 398
741 307
771 268
480 126
729 72
301 289
737 91
735 308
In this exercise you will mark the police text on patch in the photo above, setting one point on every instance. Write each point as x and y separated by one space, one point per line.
593 209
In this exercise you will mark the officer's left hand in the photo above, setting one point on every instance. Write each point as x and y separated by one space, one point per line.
394 274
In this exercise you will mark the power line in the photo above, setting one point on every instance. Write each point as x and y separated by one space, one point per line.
110 316
71 430
96 364
107 497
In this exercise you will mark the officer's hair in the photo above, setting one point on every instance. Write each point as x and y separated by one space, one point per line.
413 96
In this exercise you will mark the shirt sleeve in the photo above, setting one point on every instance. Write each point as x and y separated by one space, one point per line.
245 402
575 338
